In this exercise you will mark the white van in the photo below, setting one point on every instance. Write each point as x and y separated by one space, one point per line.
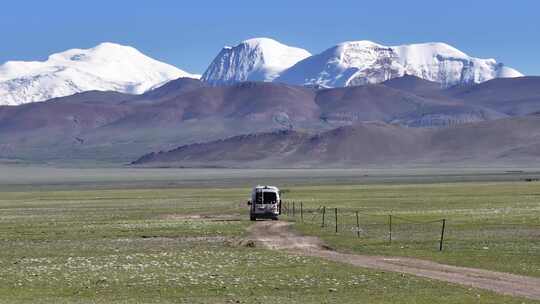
265 203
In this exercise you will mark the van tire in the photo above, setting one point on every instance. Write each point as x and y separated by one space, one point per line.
252 218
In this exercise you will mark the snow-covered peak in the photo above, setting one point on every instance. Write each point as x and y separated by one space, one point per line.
361 62
107 67
256 59
101 51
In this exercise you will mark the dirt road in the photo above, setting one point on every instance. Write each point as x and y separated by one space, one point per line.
277 235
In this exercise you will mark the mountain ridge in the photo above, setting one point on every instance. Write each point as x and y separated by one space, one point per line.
363 62
107 67
505 142
114 67
116 127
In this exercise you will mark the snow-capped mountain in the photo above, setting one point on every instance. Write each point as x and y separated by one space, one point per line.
106 67
258 59
114 67
362 62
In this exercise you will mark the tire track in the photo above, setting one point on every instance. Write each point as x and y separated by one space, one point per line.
278 236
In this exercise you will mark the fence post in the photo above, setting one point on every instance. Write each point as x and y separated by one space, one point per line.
293 211
289 208
323 213
335 212
301 212
442 235
357 225
390 228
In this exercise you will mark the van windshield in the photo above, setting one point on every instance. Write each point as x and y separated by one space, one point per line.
269 198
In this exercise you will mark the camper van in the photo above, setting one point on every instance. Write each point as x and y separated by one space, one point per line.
265 203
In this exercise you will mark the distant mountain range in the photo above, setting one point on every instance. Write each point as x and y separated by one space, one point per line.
113 67
264 104
350 63
112 127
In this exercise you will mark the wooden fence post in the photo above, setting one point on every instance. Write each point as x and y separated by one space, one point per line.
293 210
323 213
335 212
357 225
301 212
390 228
442 235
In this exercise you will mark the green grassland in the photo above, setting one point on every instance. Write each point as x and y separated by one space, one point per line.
103 244
493 225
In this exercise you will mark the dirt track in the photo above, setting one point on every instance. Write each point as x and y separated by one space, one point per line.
277 235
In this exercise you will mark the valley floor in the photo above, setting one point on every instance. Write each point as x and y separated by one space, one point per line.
180 236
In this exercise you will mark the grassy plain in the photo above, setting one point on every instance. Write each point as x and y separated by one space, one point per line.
490 225
95 239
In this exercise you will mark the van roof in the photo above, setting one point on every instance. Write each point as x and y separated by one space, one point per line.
267 187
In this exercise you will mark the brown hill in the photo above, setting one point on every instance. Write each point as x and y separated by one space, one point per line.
504 142
114 127
512 96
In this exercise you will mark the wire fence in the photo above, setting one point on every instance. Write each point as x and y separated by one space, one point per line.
432 234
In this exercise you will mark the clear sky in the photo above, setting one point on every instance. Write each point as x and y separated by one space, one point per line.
189 34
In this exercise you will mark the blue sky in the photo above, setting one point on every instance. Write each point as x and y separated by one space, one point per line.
189 34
